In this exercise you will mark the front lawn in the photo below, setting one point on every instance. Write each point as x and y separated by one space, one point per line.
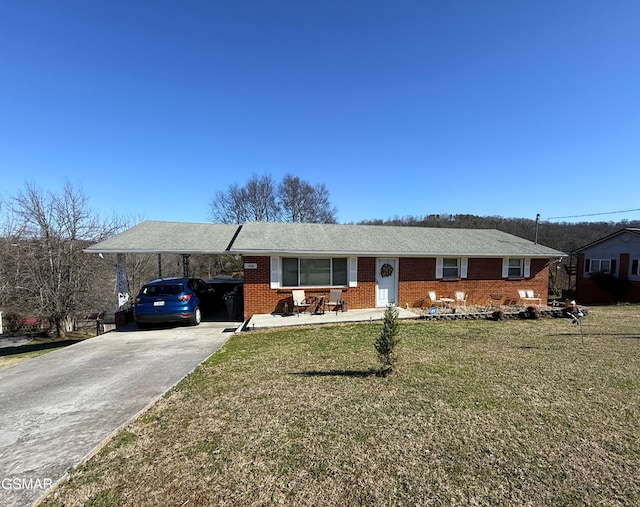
479 412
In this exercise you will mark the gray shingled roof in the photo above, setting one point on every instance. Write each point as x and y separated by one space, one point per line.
264 238
169 237
277 238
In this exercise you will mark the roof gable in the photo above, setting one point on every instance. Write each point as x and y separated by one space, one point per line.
632 232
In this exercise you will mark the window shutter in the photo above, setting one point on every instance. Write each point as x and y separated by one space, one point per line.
634 267
463 267
505 267
527 268
353 271
275 273
587 265
613 266
439 267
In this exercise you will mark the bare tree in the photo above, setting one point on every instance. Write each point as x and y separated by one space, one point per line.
256 202
293 200
49 232
260 197
9 258
301 202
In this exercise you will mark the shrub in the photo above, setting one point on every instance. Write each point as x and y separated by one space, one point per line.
386 343
12 320
497 315
533 313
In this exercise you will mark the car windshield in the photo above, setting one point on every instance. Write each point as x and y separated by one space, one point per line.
162 290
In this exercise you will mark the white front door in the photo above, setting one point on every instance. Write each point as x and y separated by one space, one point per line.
386 282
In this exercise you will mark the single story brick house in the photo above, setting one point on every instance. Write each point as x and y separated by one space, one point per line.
373 265
608 270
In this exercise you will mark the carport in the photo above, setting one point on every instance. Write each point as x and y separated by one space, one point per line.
154 237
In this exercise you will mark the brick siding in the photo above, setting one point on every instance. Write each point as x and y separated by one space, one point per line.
588 293
416 276
484 277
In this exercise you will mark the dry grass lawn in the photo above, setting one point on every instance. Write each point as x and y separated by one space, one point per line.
479 413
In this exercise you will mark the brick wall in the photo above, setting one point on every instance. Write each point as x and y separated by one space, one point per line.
588 293
416 276
484 277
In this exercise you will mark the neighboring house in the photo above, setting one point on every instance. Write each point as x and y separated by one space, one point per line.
608 269
373 265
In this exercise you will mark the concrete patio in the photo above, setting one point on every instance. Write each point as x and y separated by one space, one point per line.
271 320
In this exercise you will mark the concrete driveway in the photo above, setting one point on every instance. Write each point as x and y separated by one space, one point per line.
57 408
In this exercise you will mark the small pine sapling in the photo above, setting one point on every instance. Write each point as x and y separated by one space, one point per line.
386 343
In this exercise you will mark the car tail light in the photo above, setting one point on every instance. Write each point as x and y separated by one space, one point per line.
138 301
185 297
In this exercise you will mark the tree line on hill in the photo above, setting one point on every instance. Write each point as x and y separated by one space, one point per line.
563 236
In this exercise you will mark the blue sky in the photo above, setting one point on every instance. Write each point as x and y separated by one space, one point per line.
506 108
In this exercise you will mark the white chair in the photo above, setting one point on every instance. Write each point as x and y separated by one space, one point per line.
434 298
528 296
532 297
461 298
300 301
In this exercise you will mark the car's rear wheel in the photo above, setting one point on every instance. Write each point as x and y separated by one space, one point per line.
196 317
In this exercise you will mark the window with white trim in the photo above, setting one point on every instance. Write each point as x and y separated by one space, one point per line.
600 265
516 267
314 272
450 268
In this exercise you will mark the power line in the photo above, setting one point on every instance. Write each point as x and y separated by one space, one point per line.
595 214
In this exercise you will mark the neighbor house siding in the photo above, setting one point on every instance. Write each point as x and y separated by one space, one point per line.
588 293
621 247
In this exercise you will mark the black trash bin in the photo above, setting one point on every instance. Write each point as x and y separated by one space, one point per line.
235 303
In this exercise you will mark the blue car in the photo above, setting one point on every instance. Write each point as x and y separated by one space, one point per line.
173 300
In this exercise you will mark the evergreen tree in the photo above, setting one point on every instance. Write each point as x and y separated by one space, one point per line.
386 343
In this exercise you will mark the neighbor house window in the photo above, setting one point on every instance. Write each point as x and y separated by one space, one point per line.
600 265
634 267
309 272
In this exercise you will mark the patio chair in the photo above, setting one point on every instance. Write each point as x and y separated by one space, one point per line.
529 296
300 301
434 299
532 297
461 298
335 300
495 300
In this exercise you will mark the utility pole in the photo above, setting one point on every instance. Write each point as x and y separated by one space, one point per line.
537 222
